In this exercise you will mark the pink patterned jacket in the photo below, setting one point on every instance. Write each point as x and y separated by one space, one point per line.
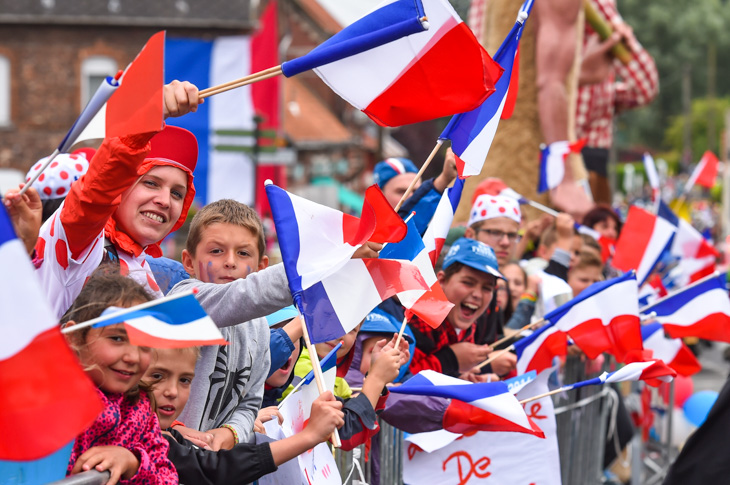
134 427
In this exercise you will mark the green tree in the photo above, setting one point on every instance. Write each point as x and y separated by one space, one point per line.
698 122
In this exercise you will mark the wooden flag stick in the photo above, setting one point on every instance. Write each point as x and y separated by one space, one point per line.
518 332
494 356
237 83
296 388
546 394
39 172
402 329
419 175
124 311
318 376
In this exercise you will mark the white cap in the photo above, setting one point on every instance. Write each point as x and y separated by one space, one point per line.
493 206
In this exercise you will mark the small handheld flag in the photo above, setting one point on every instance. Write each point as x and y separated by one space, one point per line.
173 322
472 133
493 397
552 163
39 373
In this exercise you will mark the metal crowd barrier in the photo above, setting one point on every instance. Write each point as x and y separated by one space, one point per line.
92 477
582 421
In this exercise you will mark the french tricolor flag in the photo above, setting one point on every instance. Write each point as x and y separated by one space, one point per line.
431 306
438 228
652 175
670 350
705 173
472 133
316 240
39 374
340 301
697 257
537 351
654 372
408 80
317 243
643 239
552 163
603 318
493 397
702 310
167 323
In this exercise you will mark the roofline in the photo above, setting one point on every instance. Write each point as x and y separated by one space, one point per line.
125 21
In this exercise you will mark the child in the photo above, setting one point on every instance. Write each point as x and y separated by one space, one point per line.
224 254
360 411
125 439
494 220
468 279
137 190
170 376
586 271
523 291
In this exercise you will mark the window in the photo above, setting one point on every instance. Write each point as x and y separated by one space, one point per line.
4 91
94 70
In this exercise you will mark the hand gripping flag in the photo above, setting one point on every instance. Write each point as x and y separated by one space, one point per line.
39 374
168 323
409 79
603 318
316 245
670 350
494 397
431 305
643 239
702 310
472 133
705 173
552 163
438 228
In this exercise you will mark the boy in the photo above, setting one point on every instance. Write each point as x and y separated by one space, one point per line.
170 376
586 271
224 254
494 220
468 279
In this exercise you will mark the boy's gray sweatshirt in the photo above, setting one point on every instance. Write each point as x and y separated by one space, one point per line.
229 379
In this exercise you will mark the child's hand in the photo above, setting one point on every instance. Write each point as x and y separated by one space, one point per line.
385 362
26 214
504 364
180 98
477 377
200 438
223 439
405 353
368 250
533 284
266 414
468 354
325 417
120 462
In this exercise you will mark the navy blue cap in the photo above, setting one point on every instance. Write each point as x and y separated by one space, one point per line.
390 167
474 254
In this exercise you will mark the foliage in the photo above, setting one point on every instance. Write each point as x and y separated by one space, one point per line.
699 120
676 33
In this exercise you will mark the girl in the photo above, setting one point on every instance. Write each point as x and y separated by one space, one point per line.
137 190
125 438
523 291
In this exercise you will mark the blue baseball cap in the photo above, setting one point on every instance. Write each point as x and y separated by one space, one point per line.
390 167
474 254
286 313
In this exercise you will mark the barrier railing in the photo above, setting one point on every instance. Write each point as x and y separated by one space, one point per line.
92 477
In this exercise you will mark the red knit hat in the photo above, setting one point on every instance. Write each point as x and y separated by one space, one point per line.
175 144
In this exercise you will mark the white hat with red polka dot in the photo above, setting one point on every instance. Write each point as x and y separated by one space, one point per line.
493 206
56 180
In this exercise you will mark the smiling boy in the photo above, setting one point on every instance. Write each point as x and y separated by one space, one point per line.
225 257
468 279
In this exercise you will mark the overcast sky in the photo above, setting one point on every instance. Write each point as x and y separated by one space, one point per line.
347 11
